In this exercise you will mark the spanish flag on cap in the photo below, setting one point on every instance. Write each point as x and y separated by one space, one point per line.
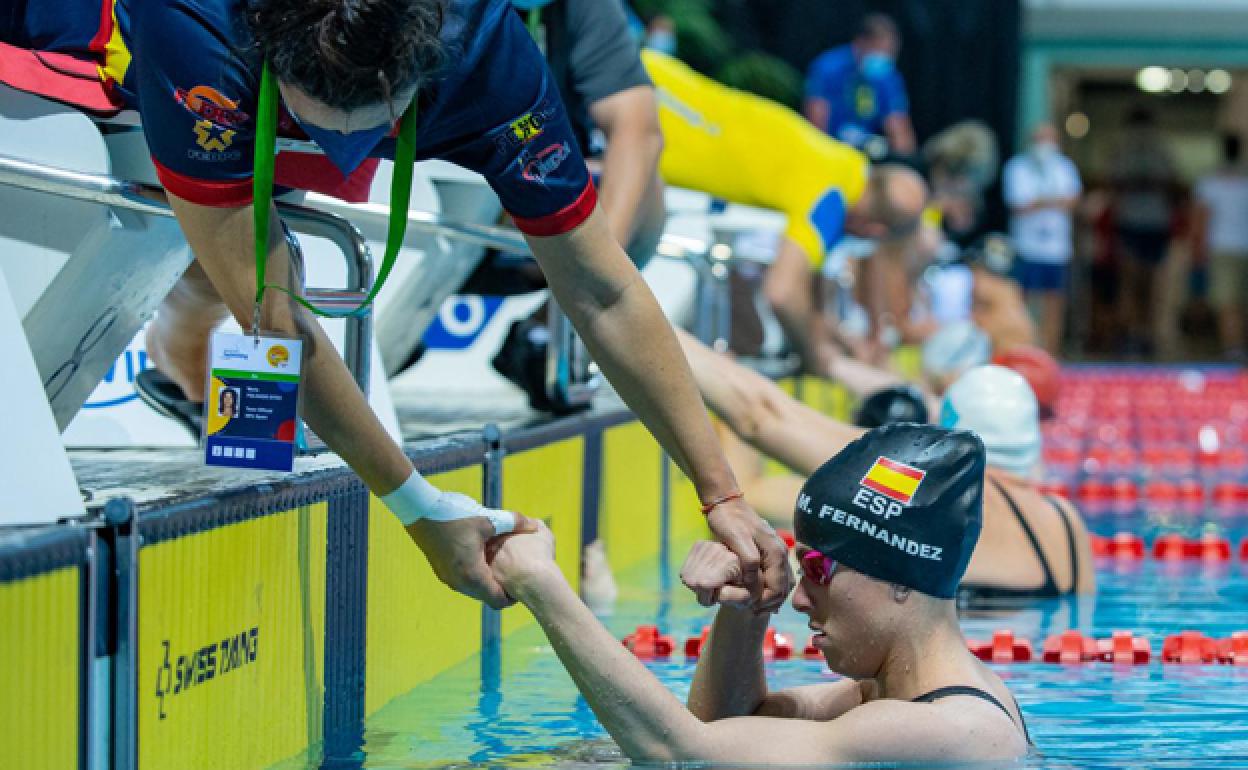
893 479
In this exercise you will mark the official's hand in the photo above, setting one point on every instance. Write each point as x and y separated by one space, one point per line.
457 552
713 573
765 571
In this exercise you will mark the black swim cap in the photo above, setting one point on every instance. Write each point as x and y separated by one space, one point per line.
899 403
902 504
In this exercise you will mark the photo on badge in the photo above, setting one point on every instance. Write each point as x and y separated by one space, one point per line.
252 407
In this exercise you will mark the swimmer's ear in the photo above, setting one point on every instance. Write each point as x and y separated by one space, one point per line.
900 593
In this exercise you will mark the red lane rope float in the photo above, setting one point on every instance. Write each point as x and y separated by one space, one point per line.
1126 546
1207 548
1003 648
1067 648
776 646
647 642
1189 647
1072 647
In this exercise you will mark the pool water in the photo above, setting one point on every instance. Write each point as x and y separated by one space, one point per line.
526 711
1086 716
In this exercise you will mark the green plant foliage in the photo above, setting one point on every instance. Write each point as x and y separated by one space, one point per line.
765 75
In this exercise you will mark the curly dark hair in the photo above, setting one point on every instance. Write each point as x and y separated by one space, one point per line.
349 53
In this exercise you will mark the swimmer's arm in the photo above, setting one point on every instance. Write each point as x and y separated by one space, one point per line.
729 679
630 120
900 133
883 731
643 716
763 415
816 702
790 289
859 377
817 111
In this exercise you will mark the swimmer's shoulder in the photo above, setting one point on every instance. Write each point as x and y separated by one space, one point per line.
958 728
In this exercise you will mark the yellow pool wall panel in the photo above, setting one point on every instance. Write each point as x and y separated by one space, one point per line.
232 643
631 491
40 679
547 483
416 627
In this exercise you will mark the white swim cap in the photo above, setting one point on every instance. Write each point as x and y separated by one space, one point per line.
955 348
999 405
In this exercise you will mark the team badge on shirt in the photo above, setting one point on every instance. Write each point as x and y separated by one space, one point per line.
894 480
543 163
525 128
218 117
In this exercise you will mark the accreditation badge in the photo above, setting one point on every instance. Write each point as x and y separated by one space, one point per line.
251 412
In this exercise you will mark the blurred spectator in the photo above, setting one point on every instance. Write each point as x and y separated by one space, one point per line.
1042 188
1222 224
855 93
611 103
1144 182
661 35
962 161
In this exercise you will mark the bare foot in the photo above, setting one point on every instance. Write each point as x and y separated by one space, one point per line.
184 362
598 587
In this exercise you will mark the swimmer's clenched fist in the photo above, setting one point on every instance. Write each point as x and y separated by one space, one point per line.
713 573
764 563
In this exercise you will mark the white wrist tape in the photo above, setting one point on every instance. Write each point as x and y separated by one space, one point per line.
418 499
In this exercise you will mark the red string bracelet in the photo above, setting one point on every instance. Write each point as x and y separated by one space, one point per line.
708 507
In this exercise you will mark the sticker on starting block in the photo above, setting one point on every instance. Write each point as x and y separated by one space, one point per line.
251 414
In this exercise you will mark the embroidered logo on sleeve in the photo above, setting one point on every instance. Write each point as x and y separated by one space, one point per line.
524 129
218 120
542 164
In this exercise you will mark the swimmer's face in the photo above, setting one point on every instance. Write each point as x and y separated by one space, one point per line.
841 615
321 115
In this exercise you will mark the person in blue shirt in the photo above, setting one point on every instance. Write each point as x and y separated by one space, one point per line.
854 92
346 70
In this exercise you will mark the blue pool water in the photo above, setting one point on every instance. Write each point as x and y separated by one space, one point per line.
1087 716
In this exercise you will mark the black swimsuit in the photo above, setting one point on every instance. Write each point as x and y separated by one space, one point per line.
1048 590
975 692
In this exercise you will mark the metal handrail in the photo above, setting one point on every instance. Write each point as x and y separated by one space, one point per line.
151 200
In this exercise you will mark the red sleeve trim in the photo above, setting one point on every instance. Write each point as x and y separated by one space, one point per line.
565 220
229 194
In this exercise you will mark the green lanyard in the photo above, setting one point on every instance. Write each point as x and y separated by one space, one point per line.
400 196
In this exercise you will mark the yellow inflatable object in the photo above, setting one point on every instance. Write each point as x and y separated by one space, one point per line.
749 150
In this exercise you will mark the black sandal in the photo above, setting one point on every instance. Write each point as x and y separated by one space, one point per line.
165 397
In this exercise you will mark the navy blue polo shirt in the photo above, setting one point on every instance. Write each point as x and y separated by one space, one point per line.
190 69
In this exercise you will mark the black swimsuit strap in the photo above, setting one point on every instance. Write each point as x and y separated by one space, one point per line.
974 692
1070 543
1050 585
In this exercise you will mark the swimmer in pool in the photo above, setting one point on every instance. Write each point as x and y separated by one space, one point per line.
951 350
885 530
1033 545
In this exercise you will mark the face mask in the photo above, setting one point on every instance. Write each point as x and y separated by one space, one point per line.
345 151
663 42
1044 150
877 65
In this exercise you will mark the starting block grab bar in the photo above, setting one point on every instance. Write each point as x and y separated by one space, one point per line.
150 200
711 262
